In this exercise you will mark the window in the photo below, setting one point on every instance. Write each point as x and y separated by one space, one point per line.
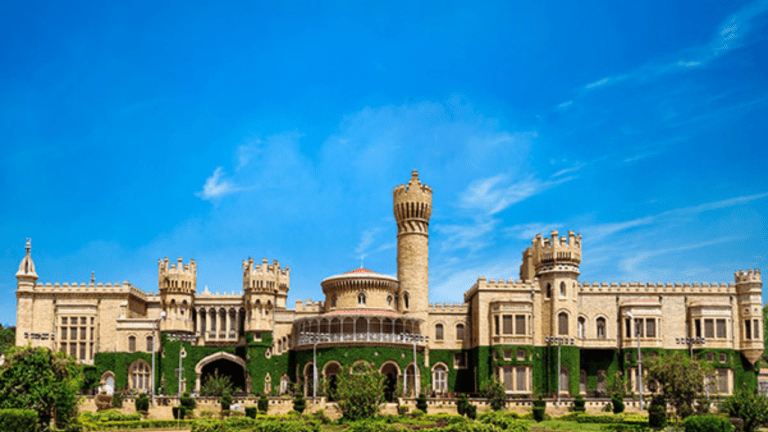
710 356
748 328
507 321
709 328
650 327
459 361
73 333
580 327
83 320
440 379
582 381
361 299
495 355
508 354
562 289
132 344
438 332
334 301
63 333
82 333
549 290
720 327
723 381
628 357
405 300
600 327
496 324
63 320
82 351
639 327
509 378
150 346
459 331
389 301
521 355
564 380
757 329
520 379
628 328
723 358
73 349
520 324
63 348
139 375
697 325
562 323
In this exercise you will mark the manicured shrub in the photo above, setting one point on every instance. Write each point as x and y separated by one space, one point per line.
188 402
421 403
402 410
707 423
226 401
17 420
142 403
657 412
618 403
508 421
579 405
179 412
539 409
493 390
251 412
299 403
117 399
461 404
263 404
471 411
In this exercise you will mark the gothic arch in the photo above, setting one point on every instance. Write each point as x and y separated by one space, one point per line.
212 358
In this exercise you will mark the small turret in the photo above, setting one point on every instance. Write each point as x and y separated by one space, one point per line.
750 293
177 283
26 271
266 288
556 253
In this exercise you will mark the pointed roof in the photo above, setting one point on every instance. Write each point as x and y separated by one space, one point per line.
27 266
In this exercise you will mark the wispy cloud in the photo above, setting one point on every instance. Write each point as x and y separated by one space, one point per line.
494 194
731 35
634 265
215 186
565 104
529 230
474 236
367 239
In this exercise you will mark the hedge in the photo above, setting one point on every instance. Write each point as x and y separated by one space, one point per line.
17 420
142 424
707 423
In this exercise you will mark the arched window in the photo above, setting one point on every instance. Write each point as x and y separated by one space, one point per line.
440 379
549 290
361 299
284 383
389 300
405 300
562 289
438 332
600 328
562 323
150 345
138 374
132 344
335 301
580 328
459 331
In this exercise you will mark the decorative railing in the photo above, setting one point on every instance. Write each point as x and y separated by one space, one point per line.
308 338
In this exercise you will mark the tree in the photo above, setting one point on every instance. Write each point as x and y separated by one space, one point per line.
493 390
360 391
749 406
681 379
36 378
216 385
7 338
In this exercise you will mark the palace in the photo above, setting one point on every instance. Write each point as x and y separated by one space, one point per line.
545 333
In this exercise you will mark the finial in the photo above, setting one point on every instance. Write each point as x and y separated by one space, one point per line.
29 245
93 277
362 257
415 173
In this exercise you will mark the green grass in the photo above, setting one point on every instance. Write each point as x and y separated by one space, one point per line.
563 425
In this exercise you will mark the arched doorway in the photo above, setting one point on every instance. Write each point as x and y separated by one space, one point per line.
410 381
390 372
223 364
331 373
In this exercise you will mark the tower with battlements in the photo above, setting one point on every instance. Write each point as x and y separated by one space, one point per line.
177 283
413 208
265 287
749 289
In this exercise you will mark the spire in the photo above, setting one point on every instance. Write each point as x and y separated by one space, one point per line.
27 266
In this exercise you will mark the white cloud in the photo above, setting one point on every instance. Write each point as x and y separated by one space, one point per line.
529 230
634 267
565 104
215 186
494 194
474 236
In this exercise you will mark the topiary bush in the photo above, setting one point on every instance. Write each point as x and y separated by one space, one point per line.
707 423
188 402
421 403
657 412
251 412
402 410
299 403
493 390
117 399
142 403
579 405
226 401
17 420
263 404
539 409
179 412
617 400
461 404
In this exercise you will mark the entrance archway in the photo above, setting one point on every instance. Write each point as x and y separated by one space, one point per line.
223 364
390 372
331 373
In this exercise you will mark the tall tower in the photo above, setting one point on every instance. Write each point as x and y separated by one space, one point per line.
555 261
749 316
26 278
413 208
177 283
266 288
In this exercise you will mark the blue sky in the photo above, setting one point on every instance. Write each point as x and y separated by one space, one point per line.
131 131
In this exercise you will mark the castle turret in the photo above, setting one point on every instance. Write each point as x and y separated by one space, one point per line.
177 284
26 278
555 262
413 208
749 288
266 289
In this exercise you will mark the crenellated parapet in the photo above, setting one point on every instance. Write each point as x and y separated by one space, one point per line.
265 277
748 276
412 206
656 287
177 277
556 253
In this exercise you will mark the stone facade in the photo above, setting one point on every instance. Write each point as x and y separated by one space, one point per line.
545 333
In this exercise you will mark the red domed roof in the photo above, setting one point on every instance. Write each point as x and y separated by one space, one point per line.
360 270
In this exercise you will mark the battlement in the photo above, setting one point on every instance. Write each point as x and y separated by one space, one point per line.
309 306
87 288
177 277
483 283
414 190
265 276
749 276
461 308
556 252
657 288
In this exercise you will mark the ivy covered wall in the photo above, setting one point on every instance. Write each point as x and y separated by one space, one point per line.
118 363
